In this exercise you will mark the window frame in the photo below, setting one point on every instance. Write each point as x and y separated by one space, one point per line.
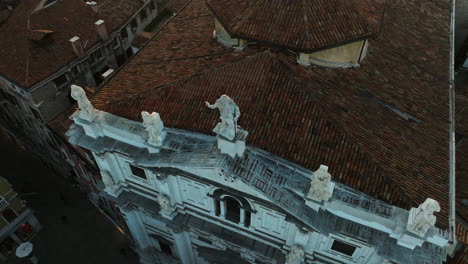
131 166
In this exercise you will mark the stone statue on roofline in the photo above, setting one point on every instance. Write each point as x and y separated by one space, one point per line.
87 111
296 255
229 115
321 188
421 219
154 126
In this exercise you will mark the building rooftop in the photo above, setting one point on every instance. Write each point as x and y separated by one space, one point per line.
300 25
28 57
382 129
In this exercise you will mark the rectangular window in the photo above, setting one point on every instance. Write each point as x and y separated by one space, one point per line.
134 25
24 232
143 15
60 81
3 203
75 70
115 43
124 33
139 172
343 248
97 56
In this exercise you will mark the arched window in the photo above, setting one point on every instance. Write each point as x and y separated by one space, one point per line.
232 207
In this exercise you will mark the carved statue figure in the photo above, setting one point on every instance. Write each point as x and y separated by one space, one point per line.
108 181
87 111
229 115
319 185
296 255
154 126
165 204
422 218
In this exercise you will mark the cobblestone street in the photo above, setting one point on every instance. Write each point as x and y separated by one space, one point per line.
74 231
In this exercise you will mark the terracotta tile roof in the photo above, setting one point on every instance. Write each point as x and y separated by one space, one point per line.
461 257
461 232
304 25
461 115
355 121
27 62
296 120
461 185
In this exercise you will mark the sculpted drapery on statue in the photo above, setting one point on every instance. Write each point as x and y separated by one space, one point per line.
229 115
320 185
421 219
154 126
87 111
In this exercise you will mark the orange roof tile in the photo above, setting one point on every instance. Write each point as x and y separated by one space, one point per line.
26 63
349 119
305 25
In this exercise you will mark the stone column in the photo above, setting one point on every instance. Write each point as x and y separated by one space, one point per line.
242 216
135 225
222 208
184 247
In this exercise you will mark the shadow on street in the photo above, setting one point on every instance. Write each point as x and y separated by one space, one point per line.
74 231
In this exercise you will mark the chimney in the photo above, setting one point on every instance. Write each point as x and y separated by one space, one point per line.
93 6
77 47
107 74
101 29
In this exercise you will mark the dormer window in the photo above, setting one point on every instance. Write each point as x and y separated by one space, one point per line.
224 38
329 33
345 56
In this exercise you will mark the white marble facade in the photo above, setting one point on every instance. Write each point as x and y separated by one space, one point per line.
202 206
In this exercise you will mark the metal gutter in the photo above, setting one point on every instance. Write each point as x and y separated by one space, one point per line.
452 125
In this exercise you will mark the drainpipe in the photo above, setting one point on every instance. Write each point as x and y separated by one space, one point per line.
452 125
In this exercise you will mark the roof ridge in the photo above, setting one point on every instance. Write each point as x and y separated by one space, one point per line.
146 43
349 136
254 10
183 79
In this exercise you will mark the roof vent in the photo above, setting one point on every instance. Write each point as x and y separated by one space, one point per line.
77 46
101 29
93 6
